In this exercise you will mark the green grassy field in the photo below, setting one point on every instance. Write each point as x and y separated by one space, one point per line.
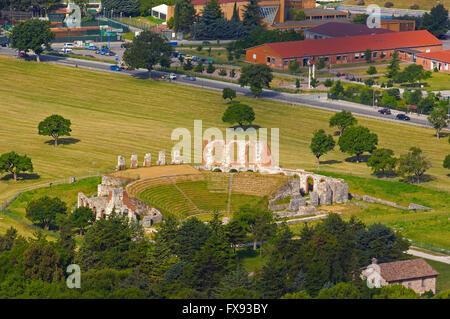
443 280
112 114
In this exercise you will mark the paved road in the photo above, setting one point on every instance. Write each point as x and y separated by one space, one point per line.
442 259
312 100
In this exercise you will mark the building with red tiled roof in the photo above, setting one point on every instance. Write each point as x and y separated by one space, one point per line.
344 50
416 274
341 29
439 60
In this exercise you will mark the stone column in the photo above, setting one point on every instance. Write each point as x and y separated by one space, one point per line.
161 158
134 161
120 163
147 160
176 157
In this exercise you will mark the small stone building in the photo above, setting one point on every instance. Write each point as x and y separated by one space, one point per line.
416 274
112 196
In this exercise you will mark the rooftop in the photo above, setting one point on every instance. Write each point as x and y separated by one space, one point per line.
342 29
313 23
200 2
443 56
385 41
406 269
318 11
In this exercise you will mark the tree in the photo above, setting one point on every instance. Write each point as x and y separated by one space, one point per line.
368 56
343 119
328 83
228 93
147 50
82 217
44 210
321 144
356 140
342 290
127 7
239 113
252 18
66 240
184 14
199 68
321 64
337 90
301 15
32 35
412 98
427 104
413 164
360 19
382 161
436 22
412 73
55 126
210 69
438 118
314 82
256 76
14 163
41 262
235 17
447 162
235 233
371 70
294 67
188 66
394 65
191 237
396 292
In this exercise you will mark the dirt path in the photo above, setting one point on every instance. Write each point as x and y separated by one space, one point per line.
442 259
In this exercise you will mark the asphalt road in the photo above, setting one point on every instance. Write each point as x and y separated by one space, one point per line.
295 99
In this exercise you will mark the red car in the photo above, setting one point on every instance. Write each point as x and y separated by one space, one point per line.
22 54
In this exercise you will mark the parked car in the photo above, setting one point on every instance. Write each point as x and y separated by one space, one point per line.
115 68
403 117
172 76
340 74
69 45
206 42
4 43
175 54
190 77
385 111
124 45
22 54
93 47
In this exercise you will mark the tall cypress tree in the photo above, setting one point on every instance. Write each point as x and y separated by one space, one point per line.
235 17
184 15
252 17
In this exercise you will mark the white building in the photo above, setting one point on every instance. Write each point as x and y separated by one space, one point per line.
160 12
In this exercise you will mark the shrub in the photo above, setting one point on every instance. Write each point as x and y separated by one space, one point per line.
210 69
435 69
217 170
199 48
388 4
232 73
222 72
233 170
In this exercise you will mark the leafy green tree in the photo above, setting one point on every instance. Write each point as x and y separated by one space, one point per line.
297 295
236 233
394 66
239 113
42 262
368 56
337 90
127 7
14 163
343 119
427 104
257 76
147 50
44 210
328 83
413 98
297 83
438 118
360 19
321 64
341 291
228 93
447 162
412 73
188 66
272 281
396 292
371 70
356 140
314 82
191 236
66 241
237 278
301 15
184 14
413 164
82 217
382 160
199 68
55 126
33 34
436 22
210 69
369 82
7 240
251 18
321 144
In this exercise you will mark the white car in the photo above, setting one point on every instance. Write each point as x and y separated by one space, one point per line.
172 76
69 46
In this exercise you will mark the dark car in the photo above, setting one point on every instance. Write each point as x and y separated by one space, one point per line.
175 54
22 54
4 43
403 117
190 77
385 111
206 42
124 45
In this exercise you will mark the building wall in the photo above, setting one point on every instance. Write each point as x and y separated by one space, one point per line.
419 285
430 64
399 26
263 52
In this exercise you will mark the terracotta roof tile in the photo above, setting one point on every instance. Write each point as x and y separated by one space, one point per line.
443 56
360 43
199 2
406 269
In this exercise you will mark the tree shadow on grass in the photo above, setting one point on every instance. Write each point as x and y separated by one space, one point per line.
362 159
388 174
21 176
443 134
63 141
330 162
245 127
423 179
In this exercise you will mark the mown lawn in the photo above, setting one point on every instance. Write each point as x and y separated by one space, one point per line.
112 114
443 280
404 4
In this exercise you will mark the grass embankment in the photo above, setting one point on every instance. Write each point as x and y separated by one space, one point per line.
404 4
113 114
